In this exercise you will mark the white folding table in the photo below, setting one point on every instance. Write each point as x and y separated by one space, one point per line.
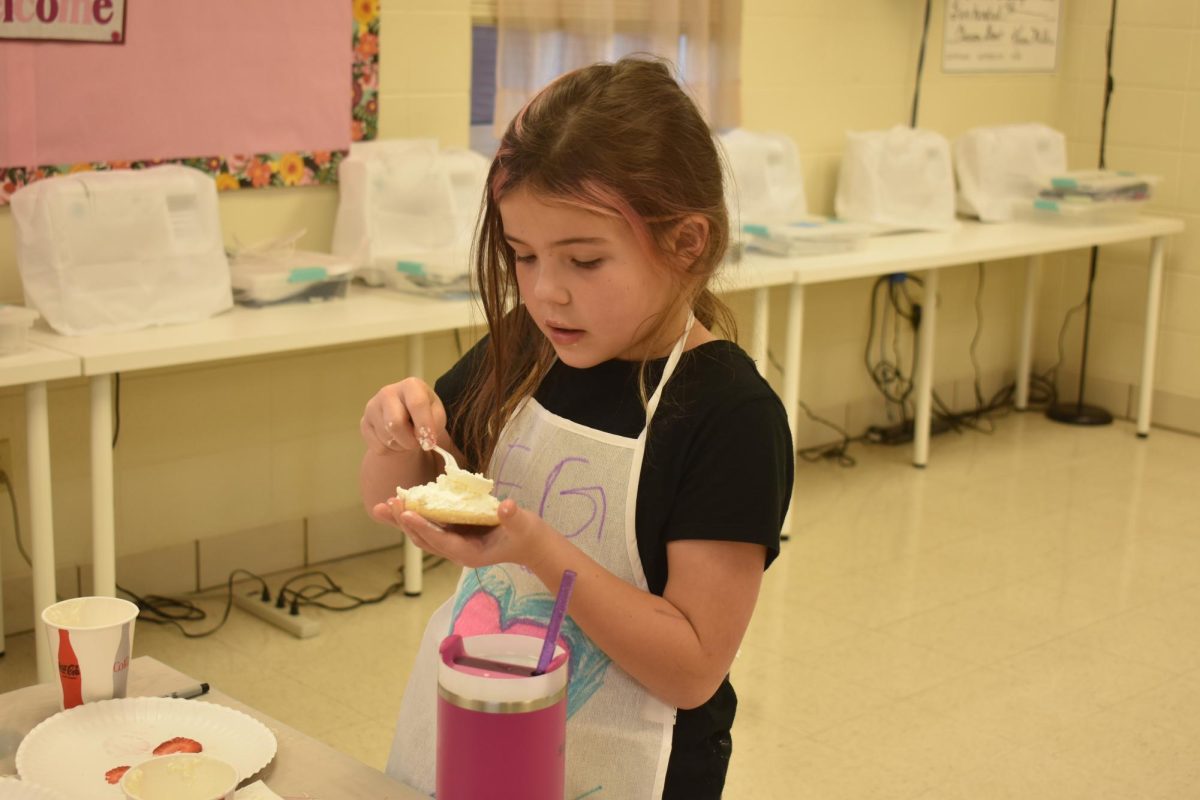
975 242
364 315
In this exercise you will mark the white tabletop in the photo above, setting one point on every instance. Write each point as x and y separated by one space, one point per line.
35 364
364 315
972 242
371 314
756 271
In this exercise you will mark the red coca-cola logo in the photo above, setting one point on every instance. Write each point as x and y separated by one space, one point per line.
68 670
123 664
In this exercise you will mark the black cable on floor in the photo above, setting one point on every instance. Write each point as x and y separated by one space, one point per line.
887 374
311 594
829 452
159 610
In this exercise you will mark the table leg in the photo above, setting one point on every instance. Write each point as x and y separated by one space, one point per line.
1025 346
413 579
758 334
791 374
1150 340
41 525
104 541
924 388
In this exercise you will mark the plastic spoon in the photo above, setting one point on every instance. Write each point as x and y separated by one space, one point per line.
464 480
556 620
427 442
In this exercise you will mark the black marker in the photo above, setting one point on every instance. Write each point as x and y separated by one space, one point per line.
190 692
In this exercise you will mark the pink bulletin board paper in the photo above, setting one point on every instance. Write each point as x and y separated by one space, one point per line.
192 79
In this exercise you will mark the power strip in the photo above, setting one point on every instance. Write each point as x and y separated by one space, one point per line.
297 626
902 433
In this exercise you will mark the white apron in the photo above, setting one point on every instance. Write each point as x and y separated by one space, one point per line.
584 483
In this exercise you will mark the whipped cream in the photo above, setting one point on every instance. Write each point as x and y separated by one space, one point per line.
456 489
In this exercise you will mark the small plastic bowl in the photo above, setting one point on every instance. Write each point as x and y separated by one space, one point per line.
15 322
181 776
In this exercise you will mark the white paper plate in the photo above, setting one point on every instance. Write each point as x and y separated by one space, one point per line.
75 750
13 789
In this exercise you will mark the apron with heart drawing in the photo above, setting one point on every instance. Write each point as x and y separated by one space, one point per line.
584 483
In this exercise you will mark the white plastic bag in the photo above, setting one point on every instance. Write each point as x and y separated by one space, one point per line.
111 251
1001 166
763 182
900 178
407 212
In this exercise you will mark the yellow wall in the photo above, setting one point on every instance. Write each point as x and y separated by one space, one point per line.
1154 126
272 444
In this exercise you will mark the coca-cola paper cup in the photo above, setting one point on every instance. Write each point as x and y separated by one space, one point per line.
91 639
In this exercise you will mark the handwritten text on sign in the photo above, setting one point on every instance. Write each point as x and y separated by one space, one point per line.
1001 36
63 20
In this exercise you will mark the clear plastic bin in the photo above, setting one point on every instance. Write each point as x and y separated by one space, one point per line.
808 237
1090 197
406 275
1102 184
15 322
264 279
1061 212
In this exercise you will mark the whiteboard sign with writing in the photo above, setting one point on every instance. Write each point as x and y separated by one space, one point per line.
1001 35
63 20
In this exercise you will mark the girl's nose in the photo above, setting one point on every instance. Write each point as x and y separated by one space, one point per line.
549 287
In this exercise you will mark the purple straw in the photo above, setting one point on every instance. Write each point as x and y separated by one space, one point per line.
556 619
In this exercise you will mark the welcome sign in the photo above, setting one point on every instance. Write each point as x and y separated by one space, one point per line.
63 20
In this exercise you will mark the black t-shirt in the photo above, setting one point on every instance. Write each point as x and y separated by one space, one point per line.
718 466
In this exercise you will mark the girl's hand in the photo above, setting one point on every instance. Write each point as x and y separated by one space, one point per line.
397 411
516 540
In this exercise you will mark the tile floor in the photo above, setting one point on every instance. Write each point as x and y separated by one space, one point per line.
1020 620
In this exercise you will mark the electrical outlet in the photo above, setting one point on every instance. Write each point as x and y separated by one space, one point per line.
298 626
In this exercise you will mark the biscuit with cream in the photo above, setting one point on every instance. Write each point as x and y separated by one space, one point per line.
457 497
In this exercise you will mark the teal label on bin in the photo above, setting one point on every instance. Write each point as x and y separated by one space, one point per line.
755 230
1046 205
1064 183
307 274
410 267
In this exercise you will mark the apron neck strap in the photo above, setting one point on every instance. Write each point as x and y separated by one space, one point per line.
672 362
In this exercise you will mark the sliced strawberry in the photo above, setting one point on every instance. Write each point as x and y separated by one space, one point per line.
180 744
114 774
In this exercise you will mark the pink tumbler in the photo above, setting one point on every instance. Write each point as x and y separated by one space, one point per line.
502 731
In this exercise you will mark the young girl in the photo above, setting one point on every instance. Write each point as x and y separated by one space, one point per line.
628 442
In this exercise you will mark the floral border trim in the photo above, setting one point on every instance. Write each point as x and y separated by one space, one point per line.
260 169
364 113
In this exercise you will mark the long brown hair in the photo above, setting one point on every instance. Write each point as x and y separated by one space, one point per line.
622 140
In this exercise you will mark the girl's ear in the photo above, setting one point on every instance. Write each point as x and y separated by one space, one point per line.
688 239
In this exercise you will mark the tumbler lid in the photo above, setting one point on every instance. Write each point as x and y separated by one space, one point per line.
499 667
